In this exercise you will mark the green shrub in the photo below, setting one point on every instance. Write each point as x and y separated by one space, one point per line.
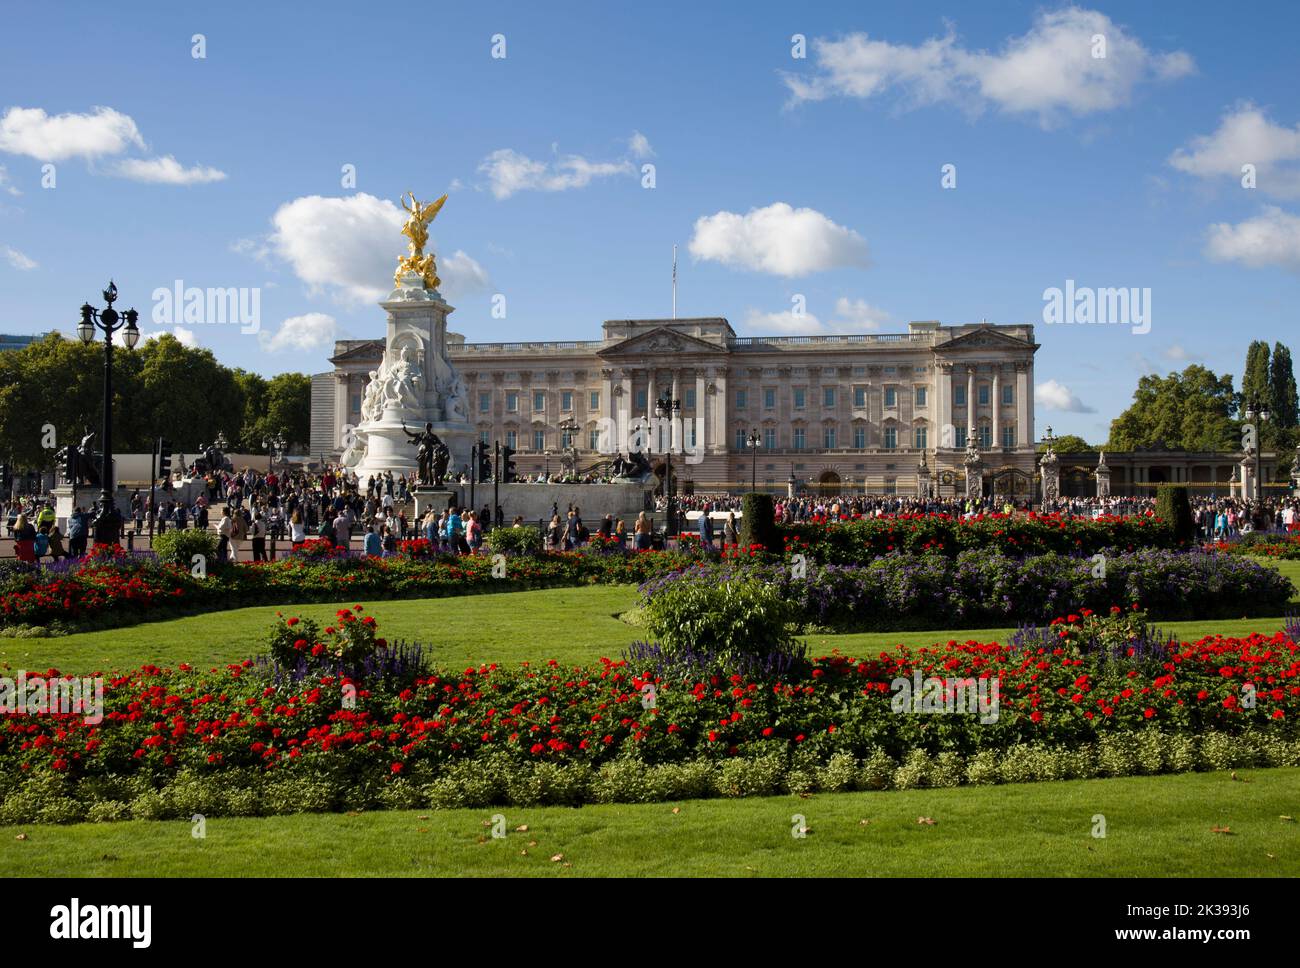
758 524
877 771
739 622
756 776
839 774
624 780
179 546
522 540
1172 505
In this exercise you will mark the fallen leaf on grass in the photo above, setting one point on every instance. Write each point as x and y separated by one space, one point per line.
522 828
557 858
927 821
677 809
863 823
21 837
523 853
1221 830
1285 819
1240 779
532 843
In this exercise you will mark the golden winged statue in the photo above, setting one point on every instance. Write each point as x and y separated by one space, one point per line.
416 230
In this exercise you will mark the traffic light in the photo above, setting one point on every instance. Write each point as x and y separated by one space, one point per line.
67 457
164 458
508 472
484 464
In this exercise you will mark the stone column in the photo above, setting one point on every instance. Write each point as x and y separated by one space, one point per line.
720 405
623 414
675 425
944 391
1049 468
1024 407
699 416
996 402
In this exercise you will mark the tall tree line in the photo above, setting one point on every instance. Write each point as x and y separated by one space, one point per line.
160 389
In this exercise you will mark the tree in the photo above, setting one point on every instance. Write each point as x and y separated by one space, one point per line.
1191 410
1255 383
1173 505
1282 399
1068 444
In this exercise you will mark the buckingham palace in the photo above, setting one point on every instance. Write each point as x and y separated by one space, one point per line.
873 413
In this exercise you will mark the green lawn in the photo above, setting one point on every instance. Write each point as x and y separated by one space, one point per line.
572 625
1155 826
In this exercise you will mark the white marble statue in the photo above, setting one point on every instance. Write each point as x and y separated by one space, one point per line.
458 400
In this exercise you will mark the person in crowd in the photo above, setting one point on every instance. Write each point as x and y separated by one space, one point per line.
78 532
644 531
374 542
729 534
706 531
24 540
257 532
297 530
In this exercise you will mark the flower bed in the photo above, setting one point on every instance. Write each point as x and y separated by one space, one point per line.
858 540
1278 546
982 588
242 740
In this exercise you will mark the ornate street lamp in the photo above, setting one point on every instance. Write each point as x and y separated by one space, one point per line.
1253 410
753 442
108 523
671 409
275 446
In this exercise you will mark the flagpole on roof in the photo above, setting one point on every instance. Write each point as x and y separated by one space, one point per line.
674 281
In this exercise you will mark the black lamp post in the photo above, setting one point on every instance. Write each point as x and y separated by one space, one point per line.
108 523
753 442
1253 410
274 447
672 409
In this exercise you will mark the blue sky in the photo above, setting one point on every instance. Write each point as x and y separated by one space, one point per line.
781 179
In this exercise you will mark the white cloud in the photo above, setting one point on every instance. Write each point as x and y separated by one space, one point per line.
165 171
639 145
5 184
859 314
779 240
1246 136
509 172
184 335
310 331
1177 353
32 132
850 316
1057 396
346 245
349 247
1048 71
1271 238
18 260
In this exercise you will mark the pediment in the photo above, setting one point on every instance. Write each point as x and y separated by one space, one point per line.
661 340
984 339
363 350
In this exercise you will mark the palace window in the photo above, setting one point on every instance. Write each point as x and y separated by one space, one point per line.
828 396
800 397
539 400
512 401
512 439
986 437
920 396
920 436
984 394
959 397
483 436
641 400
594 403
769 398
769 439
891 485
959 437
1008 395
741 437
799 439
484 401
891 397
859 398
356 403
860 438
689 402
566 400
891 438
742 399
828 438
1008 435
593 439
539 440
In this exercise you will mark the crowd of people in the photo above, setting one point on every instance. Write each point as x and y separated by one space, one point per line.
250 508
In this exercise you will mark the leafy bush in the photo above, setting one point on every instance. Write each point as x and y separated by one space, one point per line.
728 620
758 522
518 541
179 546
1173 505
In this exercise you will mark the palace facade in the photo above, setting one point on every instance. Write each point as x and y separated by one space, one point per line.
872 413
